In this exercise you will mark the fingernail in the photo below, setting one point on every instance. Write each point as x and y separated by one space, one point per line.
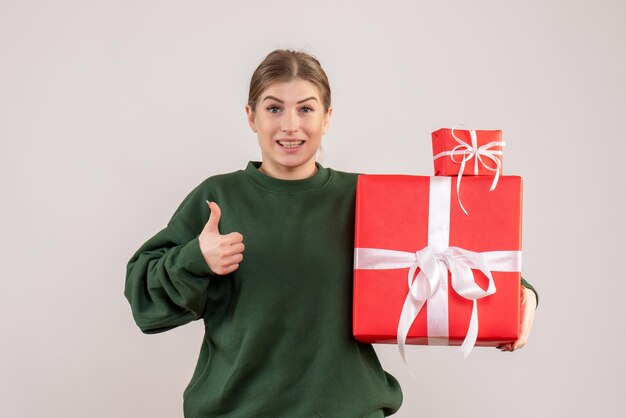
208 203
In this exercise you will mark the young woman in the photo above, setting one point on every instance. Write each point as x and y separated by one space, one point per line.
277 309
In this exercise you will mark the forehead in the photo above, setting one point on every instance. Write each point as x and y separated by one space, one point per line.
292 91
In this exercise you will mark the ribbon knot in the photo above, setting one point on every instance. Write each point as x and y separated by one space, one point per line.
434 267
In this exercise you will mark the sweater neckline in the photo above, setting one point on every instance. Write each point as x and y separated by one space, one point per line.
316 181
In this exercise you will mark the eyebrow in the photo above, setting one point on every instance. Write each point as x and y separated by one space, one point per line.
281 101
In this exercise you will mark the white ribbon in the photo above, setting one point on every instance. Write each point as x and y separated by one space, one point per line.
434 262
469 151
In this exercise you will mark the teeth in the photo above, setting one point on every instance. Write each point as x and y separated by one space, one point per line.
290 144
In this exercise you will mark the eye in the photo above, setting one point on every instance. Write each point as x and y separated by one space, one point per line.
307 109
272 109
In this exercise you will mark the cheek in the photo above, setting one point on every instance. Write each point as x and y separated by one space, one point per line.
319 129
315 125
263 130
265 137
267 124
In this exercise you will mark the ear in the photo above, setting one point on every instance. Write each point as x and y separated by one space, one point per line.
327 119
251 116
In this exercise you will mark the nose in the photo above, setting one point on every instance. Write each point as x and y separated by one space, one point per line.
290 122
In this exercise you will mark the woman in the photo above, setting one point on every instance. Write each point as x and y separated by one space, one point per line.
278 340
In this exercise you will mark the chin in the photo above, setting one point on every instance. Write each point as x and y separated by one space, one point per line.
300 162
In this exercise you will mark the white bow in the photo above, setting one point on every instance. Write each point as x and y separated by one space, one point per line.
469 151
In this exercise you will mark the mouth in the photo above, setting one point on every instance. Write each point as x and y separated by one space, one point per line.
290 143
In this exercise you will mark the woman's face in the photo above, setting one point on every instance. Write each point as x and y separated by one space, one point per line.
289 121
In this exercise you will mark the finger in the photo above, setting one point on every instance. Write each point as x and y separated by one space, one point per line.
214 218
233 259
235 249
230 269
518 344
233 238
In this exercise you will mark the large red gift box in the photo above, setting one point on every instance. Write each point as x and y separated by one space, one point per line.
488 144
405 214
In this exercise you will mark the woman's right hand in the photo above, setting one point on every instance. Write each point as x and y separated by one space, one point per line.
222 253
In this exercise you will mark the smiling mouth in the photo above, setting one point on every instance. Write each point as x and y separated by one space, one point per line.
290 144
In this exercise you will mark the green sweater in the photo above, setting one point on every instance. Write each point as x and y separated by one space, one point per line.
278 333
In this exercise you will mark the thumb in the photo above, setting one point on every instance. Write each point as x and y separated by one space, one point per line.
214 218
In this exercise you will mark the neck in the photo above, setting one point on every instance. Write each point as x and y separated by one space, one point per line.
298 173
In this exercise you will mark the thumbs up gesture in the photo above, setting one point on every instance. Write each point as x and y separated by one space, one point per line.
223 253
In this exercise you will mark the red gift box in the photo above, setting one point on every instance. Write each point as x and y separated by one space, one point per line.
399 217
469 152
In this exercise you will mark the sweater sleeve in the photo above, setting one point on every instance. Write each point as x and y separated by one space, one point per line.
529 286
167 278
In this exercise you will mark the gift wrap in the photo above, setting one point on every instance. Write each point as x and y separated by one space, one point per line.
411 235
469 152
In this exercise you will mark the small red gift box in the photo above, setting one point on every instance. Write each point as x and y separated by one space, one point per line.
468 152
407 225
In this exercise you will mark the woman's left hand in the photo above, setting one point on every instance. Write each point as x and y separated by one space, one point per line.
527 315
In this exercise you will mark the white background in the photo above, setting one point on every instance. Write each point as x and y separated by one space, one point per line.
112 111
